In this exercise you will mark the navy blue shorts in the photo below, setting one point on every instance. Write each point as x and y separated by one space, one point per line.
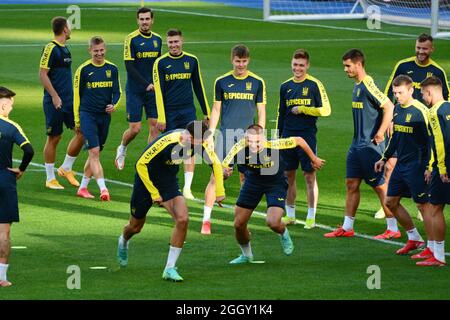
56 118
141 200
136 101
94 127
408 180
439 191
179 120
361 162
253 189
293 157
9 209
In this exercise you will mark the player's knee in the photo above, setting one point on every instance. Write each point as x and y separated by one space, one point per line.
54 140
310 178
94 153
392 204
290 175
436 212
273 223
135 129
4 235
423 208
182 221
136 228
351 186
239 225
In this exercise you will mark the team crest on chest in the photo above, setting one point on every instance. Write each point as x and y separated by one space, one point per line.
429 74
305 91
358 92
186 65
408 117
108 73
155 43
248 86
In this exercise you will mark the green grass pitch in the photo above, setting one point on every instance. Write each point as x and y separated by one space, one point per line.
60 230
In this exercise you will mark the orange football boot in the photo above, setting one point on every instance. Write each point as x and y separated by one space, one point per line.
340 232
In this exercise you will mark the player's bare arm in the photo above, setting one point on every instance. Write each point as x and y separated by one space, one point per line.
388 109
316 162
45 80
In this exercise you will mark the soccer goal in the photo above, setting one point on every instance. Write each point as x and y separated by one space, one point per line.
430 13
312 9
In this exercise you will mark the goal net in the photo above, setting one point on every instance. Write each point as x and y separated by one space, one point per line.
430 13
312 9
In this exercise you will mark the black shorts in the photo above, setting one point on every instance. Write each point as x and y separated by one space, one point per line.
293 157
55 119
136 101
141 200
178 119
253 190
95 128
439 191
407 180
9 208
361 164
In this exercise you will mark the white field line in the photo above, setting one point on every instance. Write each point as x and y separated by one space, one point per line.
224 17
11 45
302 222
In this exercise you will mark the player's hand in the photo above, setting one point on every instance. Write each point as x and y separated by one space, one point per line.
110 108
294 110
379 138
444 178
158 201
150 87
17 172
379 165
219 200
317 163
227 172
390 130
161 126
427 176
57 102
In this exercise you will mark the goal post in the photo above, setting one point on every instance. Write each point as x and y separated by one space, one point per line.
436 19
434 14
279 10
